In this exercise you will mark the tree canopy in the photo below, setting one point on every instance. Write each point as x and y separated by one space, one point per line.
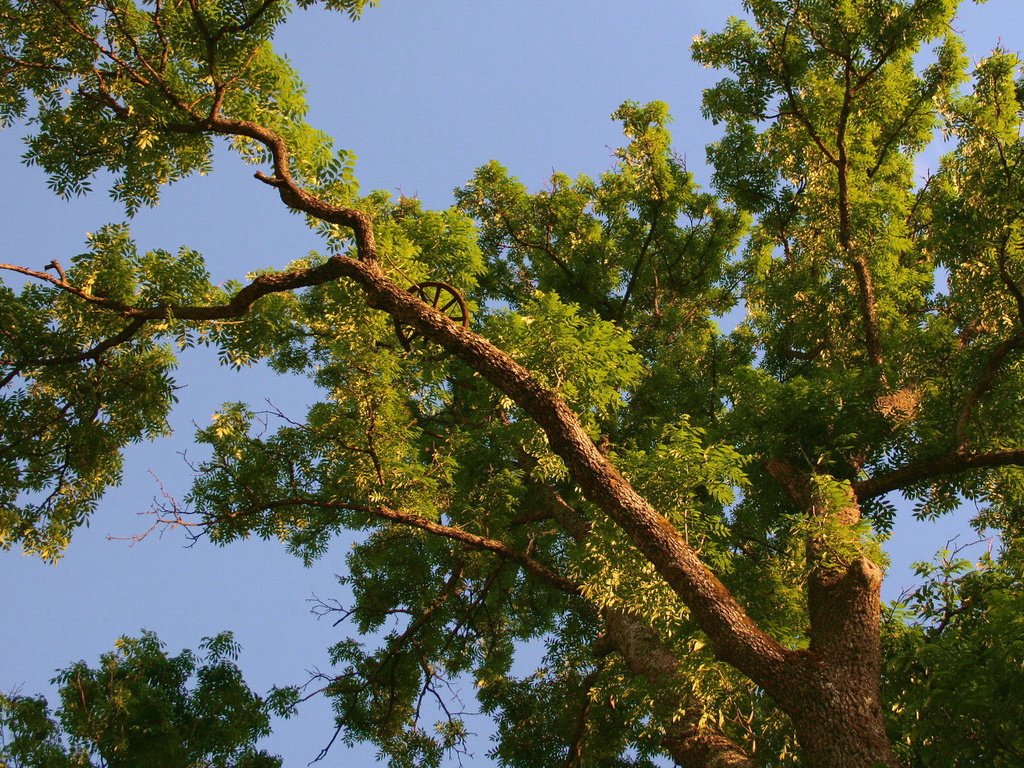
530 409
138 708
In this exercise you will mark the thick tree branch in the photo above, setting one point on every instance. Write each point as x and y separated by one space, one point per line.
735 636
933 469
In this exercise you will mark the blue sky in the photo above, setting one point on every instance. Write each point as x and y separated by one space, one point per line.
423 93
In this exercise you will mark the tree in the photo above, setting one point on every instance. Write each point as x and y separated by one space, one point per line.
136 708
549 437
954 672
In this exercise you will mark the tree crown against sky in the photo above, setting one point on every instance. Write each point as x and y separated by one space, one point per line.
143 707
570 450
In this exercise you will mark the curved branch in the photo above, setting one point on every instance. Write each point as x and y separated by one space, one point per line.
291 193
735 636
927 469
92 353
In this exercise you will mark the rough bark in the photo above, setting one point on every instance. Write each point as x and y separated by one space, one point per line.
829 691
954 463
841 723
831 696
833 701
838 712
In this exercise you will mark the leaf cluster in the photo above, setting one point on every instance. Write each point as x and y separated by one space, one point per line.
954 674
140 706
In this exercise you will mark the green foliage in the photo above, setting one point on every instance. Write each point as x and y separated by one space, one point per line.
69 406
143 707
955 675
836 542
114 86
882 337
589 361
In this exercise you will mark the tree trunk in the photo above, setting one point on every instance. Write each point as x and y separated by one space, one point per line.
830 691
845 728
833 696
840 724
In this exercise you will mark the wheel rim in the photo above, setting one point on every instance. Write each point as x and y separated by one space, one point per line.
440 296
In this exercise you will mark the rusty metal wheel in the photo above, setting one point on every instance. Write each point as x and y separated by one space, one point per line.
442 297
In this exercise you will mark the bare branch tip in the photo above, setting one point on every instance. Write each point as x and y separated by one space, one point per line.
272 181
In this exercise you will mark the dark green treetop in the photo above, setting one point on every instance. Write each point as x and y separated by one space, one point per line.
143 707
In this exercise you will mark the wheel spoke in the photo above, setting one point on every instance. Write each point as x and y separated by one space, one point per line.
446 300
